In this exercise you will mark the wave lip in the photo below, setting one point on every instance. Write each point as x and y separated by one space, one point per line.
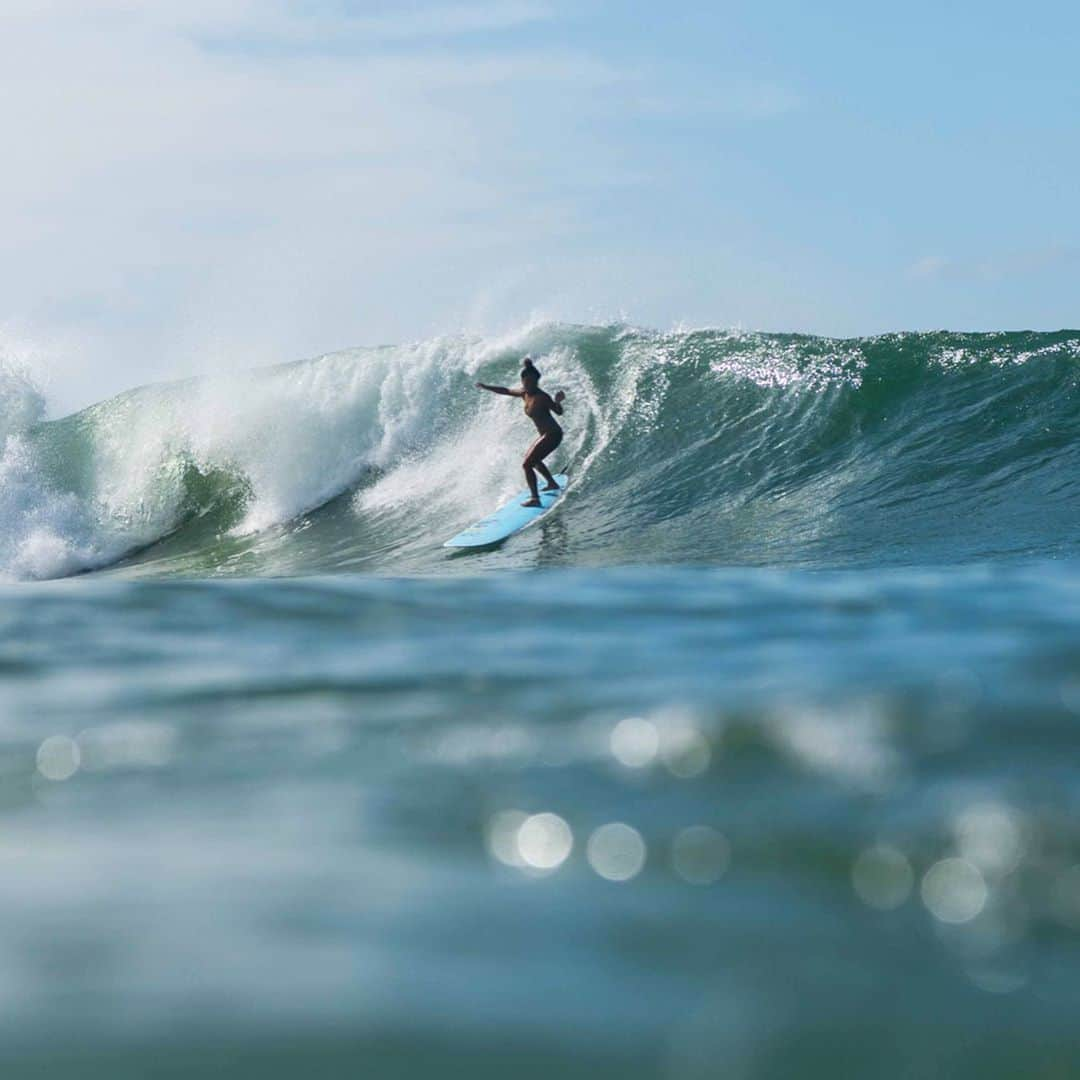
690 447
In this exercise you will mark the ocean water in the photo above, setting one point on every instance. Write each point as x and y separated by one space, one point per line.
757 758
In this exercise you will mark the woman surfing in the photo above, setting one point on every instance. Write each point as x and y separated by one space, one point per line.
538 408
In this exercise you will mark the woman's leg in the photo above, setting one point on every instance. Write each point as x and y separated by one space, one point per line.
554 439
534 460
530 479
542 469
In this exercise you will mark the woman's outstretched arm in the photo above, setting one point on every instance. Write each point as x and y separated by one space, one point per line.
499 390
556 402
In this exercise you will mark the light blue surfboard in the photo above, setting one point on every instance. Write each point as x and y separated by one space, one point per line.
510 518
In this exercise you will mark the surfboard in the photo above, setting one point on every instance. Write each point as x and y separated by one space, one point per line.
510 518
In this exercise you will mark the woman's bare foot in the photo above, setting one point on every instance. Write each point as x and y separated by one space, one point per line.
551 487
531 502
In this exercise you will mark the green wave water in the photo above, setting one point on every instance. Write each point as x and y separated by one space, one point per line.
697 447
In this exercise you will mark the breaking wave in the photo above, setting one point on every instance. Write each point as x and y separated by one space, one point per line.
691 447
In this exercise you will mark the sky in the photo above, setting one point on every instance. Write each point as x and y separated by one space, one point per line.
207 184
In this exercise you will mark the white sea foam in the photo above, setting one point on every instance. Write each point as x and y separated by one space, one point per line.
38 525
80 492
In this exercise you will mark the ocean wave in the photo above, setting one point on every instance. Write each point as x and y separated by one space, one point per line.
688 447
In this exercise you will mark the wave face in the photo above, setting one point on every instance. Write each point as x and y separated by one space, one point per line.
691 447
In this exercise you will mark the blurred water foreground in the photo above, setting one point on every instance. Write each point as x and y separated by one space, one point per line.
649 823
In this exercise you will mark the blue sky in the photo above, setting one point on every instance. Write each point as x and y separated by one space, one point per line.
213 184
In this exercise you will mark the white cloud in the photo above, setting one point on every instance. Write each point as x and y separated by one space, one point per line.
930 266
443 22
723 96
994 267
167 207
286 20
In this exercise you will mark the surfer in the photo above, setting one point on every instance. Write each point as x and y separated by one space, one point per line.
538 408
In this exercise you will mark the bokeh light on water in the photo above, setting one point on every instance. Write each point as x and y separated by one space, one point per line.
540 842
635 742
58 758
882 877
502 836
686 751
954 891
700 854
616 851
544 841
989 836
